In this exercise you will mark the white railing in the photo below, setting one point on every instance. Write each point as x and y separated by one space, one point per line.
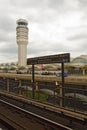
48 78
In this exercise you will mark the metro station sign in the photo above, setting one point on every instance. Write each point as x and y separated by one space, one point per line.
49 59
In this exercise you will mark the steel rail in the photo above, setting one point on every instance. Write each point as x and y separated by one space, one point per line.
38 116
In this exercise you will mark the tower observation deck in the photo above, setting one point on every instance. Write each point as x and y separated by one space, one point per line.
22 41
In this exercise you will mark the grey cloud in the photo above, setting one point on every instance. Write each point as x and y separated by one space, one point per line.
29 3
83 6
48 48
83 46
7 29
63 6
9 48
78 33
6 24
83 3
3 37
56 3
7 37
6 57
80 36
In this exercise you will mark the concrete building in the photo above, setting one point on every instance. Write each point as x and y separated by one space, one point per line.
22 41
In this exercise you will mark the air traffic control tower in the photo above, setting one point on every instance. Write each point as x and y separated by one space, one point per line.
22 41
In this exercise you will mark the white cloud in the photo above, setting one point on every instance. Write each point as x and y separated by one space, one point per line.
55 26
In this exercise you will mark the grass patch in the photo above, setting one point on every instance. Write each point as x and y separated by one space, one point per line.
37 95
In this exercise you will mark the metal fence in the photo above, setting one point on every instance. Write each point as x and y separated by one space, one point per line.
70 97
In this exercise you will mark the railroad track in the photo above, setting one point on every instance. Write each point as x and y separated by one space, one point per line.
25 120
62 116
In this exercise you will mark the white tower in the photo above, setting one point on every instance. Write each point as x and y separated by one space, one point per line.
22 41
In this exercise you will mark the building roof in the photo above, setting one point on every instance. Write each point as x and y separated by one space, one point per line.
80 59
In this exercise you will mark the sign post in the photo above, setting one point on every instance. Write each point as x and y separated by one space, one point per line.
60 58
33 81
62 84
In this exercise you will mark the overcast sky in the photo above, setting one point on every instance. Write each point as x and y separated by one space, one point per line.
55 26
